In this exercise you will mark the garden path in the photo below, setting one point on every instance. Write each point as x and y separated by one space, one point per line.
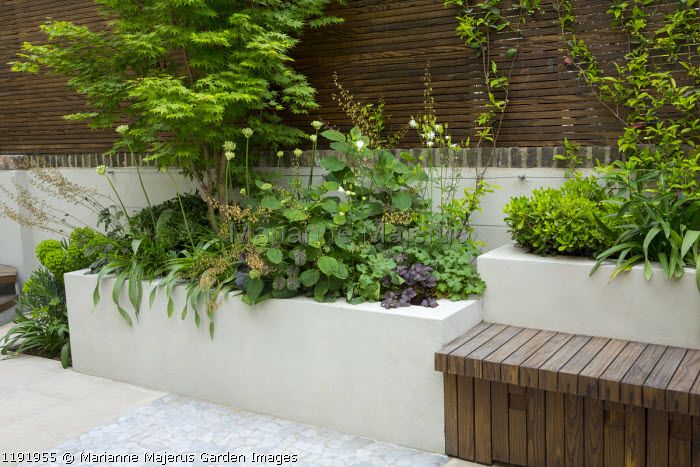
46 408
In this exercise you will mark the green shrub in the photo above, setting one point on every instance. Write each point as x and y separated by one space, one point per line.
41 325
78 252
561 220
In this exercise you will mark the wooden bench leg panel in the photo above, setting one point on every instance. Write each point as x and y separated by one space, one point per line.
482 417
536 434
696 442
554 422
465 416
499 422
614 434
657 438
517 424
679 440
573 432
635 436
451 425
594 418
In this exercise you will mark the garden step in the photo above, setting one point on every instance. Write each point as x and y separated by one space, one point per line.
534 397
8 274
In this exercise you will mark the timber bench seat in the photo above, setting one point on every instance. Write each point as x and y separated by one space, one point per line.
8 292
542 398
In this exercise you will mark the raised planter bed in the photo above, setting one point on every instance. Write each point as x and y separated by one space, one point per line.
558 294
355 368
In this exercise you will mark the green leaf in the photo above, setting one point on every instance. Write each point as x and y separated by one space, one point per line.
648 239
402 200
691 236
647 269
309 277
65 355
264 186
254 288
270 202
320 290
275 255
342 272
333 135
332 164
295 215
328 265
152 296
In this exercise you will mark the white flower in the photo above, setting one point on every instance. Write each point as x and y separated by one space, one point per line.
412 123
341 189
438 128
229 155
247 132
430 135
229 146
280 154
360 144
313 138
298 152
101 170
121 129
453 145
430 144
316 124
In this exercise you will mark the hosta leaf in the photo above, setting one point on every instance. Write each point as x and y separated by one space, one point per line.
333 135
649 238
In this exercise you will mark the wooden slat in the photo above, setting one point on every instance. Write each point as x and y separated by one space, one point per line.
678 389
465 418
631 385
517 425
482 417
680 440
529 374
568 375
473 361
588 378
696 442
450 401
614 434
655 386
456 360
657 438
554 421
635 436
441 356
536 428
499 422
491 365
609 381
594 416
510 367
574 430
549 370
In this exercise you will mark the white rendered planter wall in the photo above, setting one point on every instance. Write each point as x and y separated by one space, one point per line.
556 293
355 368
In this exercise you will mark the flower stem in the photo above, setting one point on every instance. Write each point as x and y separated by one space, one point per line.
247 176
182 210
119 198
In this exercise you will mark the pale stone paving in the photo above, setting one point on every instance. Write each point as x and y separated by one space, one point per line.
178 425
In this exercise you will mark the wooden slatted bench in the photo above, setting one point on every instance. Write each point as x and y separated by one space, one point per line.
8 292
542 398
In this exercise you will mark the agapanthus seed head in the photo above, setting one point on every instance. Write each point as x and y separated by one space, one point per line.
229 155
229 146
280 154
298 152
121 129
101 170
313 138
316 125
247 132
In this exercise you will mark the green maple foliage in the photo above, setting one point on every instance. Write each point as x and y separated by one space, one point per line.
186 75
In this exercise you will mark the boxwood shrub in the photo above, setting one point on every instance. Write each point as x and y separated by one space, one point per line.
561 220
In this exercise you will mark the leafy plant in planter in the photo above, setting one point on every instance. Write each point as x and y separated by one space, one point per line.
41 325
569 220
